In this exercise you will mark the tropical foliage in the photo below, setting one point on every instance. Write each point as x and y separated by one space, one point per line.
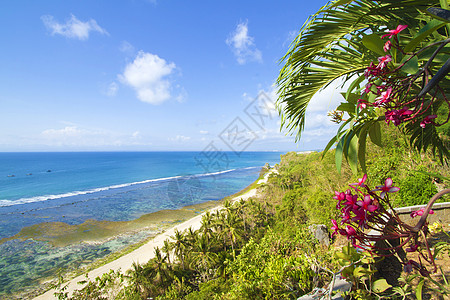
341 42
262 248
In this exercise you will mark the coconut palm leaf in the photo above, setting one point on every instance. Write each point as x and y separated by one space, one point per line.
328 47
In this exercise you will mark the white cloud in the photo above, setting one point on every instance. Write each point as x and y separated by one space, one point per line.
328 98
204 132
243 46
68 131
180 138
73 28
126 47
72 136
146 75
112 89
136 135
291 35
318 126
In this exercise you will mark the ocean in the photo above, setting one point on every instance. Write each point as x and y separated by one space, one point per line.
74 187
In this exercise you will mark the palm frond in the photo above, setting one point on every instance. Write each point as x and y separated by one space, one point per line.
328 47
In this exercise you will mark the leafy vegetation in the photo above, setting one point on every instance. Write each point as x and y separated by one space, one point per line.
263 247
400 79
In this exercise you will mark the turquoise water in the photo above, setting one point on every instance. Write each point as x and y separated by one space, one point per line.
114 186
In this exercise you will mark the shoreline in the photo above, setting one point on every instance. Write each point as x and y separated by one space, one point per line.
146 251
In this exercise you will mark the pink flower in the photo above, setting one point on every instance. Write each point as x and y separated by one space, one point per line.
350 231
427 120
362 104
366 204
386 188
395 31
387 46
339 197
361 182
360 218
383 61
372 70
351 202
384 98
420 212
335 227
345 218
397 116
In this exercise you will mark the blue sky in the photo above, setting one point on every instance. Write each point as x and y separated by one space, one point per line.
150 75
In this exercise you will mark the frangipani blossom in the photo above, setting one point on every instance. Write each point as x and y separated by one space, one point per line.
362 104
386 188
395 31
335 227
387 46
339 197
420 212
383 61
350 231
366 204
384 98
427 120
397 116
361 182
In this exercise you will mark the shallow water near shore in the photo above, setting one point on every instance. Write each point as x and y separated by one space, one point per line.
40 237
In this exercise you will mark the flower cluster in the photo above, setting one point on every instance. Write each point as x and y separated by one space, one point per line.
367 217
391 89
419 212
361 210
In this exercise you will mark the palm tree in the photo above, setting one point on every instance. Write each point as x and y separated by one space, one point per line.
138 277
159 270
231 229
179 246
336 44
191 235
166 248
206 225
203 259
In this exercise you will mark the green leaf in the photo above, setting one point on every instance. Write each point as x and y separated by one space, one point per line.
432 26
352 98
354 85
412 66
348 107
340 2
419 289
353 154
361 271
374 43
338 154
362 147
330 143
342 256
380 285
375 133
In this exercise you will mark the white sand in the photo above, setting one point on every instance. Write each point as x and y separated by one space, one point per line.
145 252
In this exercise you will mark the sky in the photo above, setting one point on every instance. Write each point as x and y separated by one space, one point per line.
141 75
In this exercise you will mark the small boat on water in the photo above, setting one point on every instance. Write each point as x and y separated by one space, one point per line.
12 175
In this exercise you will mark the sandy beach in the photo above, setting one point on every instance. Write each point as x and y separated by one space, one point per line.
146 252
